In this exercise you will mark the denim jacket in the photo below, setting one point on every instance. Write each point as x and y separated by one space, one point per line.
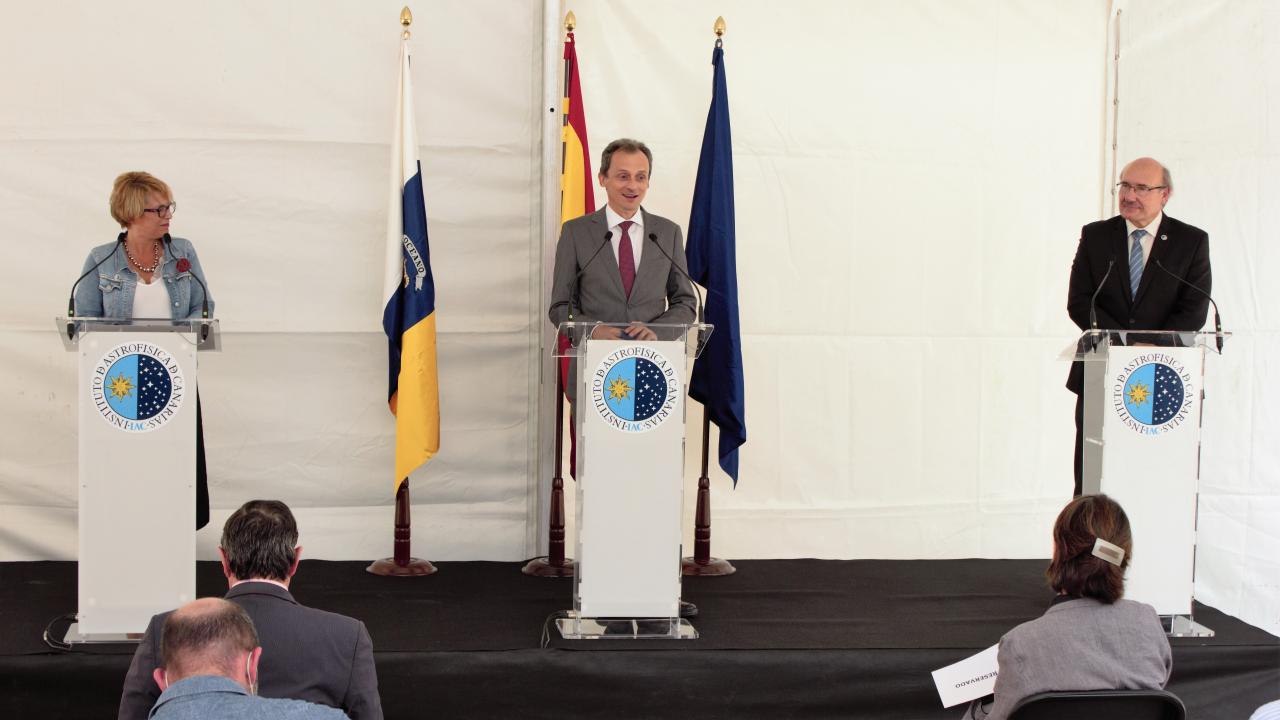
110 294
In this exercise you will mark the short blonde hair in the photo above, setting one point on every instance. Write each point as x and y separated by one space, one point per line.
129 195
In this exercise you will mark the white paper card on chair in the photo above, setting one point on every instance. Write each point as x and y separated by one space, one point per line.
969 679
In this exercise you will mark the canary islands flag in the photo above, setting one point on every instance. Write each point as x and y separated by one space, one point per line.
409 317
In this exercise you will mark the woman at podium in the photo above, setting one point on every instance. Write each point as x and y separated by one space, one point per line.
148 274
1088 639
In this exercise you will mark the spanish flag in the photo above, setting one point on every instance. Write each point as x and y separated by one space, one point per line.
409 317
577 192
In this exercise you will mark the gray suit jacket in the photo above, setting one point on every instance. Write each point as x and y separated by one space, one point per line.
661 294
1081 644
307 654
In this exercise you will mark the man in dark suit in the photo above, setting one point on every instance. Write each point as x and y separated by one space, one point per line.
638 279
309 654
1153 260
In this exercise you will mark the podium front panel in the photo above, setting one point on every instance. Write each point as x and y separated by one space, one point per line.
630 410
137 450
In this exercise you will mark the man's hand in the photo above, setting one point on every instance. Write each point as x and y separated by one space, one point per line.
634 331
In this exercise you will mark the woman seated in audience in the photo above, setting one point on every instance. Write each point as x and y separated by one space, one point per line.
1088 639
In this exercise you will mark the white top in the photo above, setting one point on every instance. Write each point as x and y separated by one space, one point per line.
635 232
1147 240
151 300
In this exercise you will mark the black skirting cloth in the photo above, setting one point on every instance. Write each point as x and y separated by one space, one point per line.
781 638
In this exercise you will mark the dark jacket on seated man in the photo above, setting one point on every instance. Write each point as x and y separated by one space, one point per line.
308 654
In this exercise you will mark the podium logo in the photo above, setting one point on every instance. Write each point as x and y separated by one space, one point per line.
1153 394
137 387
635 389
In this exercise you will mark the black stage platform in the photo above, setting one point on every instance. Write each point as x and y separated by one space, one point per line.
780 639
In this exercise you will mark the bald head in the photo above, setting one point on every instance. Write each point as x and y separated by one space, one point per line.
209 636
1145 186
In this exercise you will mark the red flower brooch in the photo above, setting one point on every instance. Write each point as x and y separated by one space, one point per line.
183 265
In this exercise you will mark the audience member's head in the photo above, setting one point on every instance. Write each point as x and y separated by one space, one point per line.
260 542
209 636
1092 546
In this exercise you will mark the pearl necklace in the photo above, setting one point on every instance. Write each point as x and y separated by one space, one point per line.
144 268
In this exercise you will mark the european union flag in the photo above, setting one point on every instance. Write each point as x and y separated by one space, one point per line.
717 375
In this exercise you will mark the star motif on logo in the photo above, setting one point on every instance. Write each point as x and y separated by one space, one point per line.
120 386
1139 393
619 389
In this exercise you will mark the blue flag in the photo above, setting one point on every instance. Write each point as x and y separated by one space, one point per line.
717 374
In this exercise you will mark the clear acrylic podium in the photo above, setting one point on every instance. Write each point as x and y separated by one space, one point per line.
629 398
137 469
1143 393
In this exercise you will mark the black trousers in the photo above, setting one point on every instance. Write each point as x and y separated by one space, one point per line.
1079 457
202 476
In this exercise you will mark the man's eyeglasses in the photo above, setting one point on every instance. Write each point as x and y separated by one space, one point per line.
164 211
1139 189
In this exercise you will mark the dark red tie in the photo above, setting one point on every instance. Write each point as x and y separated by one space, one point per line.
626 259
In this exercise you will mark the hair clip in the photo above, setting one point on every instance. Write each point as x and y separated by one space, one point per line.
1112 553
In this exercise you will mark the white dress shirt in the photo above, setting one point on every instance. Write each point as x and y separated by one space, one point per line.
635 233
1152 228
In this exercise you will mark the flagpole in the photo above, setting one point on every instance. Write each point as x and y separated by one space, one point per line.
402 563
555 564
702 564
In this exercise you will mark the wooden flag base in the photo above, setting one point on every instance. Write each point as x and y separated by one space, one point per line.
388 566
555 564
543 567
702 564
401 565
713 567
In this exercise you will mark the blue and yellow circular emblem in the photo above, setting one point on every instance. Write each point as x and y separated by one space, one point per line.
636 388
1152 394
137 387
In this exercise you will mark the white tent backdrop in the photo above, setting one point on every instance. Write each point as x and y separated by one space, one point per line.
911 177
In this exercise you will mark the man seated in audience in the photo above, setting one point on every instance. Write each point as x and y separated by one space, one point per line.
311 654
1088 639
211 657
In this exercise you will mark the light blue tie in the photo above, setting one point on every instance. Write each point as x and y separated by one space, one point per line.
1135 261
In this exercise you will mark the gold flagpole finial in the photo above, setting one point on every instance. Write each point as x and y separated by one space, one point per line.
570 21
406 19
719 28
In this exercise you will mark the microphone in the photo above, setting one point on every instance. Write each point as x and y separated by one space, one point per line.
1217 319
653 237
204 300
1093 301
573 288
71 299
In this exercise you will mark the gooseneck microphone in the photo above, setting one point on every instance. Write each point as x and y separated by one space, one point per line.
1093 301
204 299
573 288
1217 319
653 237
71 299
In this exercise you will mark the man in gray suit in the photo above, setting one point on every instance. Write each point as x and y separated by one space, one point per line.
211 658
311 654
622 264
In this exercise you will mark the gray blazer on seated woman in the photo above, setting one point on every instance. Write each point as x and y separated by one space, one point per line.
1088 639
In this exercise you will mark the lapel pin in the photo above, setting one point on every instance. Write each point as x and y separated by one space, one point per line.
1164 237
